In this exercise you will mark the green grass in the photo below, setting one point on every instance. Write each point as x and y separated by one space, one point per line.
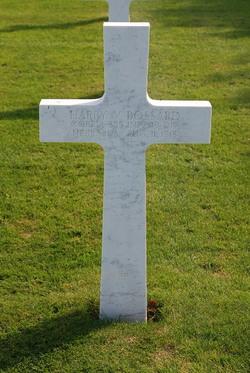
51 194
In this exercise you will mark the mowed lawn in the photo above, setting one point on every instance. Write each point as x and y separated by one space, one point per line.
197 197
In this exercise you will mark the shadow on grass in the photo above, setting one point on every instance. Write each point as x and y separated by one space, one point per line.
52 26
228 77
31 343
32 112
228 16
235 34
27 113
241 99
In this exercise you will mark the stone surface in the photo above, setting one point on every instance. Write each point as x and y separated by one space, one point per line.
125 121
119 10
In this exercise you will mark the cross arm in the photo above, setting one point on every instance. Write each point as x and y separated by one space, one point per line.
69 120
178 122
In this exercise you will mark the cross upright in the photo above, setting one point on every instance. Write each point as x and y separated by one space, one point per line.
125 121
119 10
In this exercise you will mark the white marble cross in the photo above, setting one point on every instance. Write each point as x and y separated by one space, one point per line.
125 121
119 10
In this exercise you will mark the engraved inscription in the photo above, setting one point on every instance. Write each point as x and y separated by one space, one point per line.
130 125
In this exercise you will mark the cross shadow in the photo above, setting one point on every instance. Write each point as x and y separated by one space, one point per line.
241 99
52 26
225 77
44 337
27 113
32 112
199 13
235 34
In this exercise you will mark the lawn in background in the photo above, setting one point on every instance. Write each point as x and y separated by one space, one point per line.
51 194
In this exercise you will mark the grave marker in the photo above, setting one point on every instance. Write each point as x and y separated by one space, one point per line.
125 121
119 10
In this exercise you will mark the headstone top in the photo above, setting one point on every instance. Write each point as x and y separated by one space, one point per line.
126 60
119 10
